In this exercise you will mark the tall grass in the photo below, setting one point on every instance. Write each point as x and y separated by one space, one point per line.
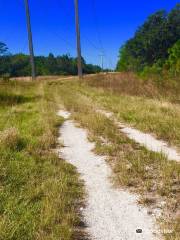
150 174
141 105
130 84
39 193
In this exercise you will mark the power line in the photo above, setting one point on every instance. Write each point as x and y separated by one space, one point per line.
67 30
63 39
59 36
97 25
83 36
103 52
99 49
55 33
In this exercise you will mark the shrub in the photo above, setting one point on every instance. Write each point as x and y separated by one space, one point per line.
173 62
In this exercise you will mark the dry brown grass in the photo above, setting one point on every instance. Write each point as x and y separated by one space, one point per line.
131 84
126 97
10 138
39 78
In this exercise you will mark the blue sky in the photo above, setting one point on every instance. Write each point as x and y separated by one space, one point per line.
105 24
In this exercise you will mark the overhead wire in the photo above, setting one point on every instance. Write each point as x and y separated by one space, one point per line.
93 45
100 49
98 32
96 22
60 37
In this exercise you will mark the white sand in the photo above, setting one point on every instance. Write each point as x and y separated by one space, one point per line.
110 214
64 114
151 143
145 139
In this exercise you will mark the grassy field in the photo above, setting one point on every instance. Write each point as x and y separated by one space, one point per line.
39 193
150 174
140 104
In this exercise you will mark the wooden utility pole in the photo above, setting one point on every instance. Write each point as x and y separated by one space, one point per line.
78 39
31 50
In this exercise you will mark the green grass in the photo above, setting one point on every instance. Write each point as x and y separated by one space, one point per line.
148 115
150 174
39 192
155 114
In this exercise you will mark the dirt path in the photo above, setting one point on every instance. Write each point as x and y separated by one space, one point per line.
145 139
110 214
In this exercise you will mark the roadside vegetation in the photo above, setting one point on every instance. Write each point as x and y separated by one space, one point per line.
150 174
141 104
39 193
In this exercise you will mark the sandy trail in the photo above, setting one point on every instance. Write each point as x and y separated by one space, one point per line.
110 214
145 139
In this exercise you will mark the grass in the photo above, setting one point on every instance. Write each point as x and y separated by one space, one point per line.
39 193
132 85
150 174
139 104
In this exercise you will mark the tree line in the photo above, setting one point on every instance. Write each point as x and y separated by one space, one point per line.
155 47
18 64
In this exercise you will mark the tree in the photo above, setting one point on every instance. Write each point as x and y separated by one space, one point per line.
151 42
173 62
52 64
3 49
174 24
19 65
65 65
4 59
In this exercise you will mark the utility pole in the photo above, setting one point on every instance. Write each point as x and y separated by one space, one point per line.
31 51
78 40
102 61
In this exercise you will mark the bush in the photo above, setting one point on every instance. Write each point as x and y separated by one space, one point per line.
173 62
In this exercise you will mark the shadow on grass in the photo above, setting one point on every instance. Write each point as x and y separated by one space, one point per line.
8 99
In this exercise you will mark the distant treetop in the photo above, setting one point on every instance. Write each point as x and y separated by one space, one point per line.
3 49
151 42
